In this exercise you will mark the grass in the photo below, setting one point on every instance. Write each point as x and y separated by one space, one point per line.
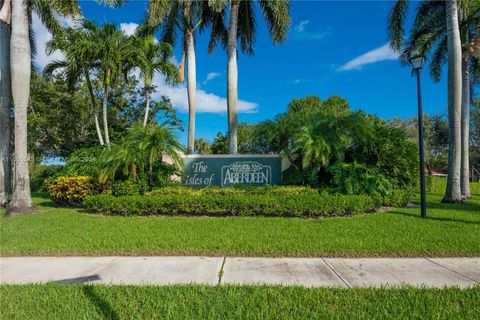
53 301
450 230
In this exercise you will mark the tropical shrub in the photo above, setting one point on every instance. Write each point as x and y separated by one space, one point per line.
83 162
388 149
237 205
40 174
72 190
125 188
357 178
138 157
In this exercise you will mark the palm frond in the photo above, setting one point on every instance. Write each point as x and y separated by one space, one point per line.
277 17
396 24
247 27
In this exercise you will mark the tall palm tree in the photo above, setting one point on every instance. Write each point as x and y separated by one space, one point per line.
77 66
5 101
20 60
242 26
20 68
20 64
396 32
151 57
113 56
185 17
453 193
429 34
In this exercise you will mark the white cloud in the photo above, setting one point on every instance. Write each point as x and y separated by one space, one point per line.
129 28
42 36
380 54
301 26
297 81
206 102
302 32
211 76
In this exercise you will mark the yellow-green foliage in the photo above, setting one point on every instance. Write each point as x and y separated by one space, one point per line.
72 190
438 184
240 190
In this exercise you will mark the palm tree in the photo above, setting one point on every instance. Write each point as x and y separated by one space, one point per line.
453 193
79 63
154 141
429 33
153 57
242 25
185 17
18 13
141 147
20 68
5 102
202 146
453 44
113 56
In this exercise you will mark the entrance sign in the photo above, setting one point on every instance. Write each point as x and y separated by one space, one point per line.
203 171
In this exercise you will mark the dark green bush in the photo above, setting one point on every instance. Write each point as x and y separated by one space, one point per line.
39 174
397 197
125 188
237 205
83 162
358 178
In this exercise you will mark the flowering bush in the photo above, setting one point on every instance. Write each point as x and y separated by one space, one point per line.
72 190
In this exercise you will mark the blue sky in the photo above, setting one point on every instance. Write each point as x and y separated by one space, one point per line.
326 54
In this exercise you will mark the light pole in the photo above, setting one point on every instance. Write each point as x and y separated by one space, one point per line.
417 62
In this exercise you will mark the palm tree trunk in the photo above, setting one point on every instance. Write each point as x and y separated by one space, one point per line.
465 127
232 78
453 193
20 64
181 68
94 107
104 110
147 106
191 89
5 104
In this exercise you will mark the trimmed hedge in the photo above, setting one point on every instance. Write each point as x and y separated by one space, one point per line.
397 198
240 190
236 205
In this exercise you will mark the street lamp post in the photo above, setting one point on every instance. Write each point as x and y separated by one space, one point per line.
417 65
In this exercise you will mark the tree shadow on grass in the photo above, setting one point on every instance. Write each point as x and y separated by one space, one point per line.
468 206
447 219
101 304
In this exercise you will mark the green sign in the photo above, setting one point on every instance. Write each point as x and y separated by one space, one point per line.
203 171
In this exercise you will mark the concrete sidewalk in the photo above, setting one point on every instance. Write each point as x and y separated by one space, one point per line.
337 272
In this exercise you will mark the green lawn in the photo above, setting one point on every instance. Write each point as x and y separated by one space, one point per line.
229 302
450 230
